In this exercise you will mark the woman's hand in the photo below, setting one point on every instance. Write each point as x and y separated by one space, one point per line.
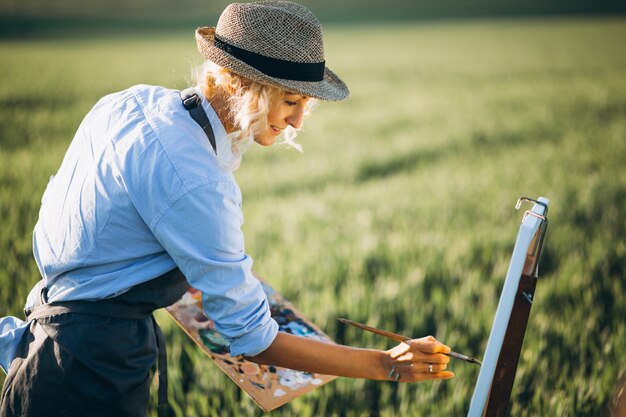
409 361
418 360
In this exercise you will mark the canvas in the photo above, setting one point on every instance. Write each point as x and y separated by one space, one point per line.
497 373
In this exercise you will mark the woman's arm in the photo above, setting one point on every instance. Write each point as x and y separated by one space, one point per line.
411 359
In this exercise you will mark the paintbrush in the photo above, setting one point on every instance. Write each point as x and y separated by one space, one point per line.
400 338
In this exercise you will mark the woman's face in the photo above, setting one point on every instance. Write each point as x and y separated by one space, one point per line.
286 111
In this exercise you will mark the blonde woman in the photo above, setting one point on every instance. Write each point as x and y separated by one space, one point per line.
145 204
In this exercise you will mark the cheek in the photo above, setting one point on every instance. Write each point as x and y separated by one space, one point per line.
271 117
276 115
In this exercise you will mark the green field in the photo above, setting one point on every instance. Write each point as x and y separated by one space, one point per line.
400 213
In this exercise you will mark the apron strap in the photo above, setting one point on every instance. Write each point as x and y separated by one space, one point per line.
193 104
99 308
161 363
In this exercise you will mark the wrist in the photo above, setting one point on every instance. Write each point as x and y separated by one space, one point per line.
385 364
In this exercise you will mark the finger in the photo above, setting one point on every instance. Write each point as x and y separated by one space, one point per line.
407 374
432 368
421 357
428 344
418 369
431 358
442 375
440 347
436 358
399 350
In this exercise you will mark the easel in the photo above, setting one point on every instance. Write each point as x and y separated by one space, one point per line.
497 373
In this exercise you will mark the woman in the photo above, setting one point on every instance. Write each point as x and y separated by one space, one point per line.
145 203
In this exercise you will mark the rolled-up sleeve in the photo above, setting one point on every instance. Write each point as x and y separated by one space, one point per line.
11 331
201 231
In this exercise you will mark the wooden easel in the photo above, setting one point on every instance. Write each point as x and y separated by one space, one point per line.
497 374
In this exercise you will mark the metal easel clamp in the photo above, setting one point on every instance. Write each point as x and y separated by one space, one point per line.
535 251
532 200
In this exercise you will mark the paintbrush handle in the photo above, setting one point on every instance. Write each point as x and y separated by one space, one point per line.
395 336
463 357
400 338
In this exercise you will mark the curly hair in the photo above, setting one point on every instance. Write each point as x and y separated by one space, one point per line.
249 104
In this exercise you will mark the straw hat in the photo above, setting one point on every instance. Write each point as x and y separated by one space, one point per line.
273 42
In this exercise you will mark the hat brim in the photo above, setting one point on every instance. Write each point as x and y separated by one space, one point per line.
331 88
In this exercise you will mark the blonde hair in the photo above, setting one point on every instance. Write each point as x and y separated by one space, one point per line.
249 104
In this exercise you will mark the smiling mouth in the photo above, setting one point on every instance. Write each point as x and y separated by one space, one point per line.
275 130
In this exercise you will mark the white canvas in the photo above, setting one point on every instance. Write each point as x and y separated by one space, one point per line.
525 237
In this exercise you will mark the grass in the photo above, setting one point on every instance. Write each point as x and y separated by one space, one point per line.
400 211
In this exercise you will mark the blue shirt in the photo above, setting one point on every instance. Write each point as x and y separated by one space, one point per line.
140 191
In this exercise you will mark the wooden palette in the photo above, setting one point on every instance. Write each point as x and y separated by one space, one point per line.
269 386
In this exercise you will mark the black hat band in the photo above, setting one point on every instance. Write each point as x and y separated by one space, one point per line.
274 67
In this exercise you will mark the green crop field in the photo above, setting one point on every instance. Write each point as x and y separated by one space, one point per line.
400 212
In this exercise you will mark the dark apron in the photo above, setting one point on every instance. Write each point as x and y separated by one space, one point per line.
92 358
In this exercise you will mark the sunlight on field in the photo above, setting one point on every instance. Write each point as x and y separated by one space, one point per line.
400 211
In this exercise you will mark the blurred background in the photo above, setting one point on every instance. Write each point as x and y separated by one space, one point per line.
400 212
20 18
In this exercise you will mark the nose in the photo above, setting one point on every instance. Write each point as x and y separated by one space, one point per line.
295 118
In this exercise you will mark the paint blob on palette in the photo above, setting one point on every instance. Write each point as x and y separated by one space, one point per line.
269 386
